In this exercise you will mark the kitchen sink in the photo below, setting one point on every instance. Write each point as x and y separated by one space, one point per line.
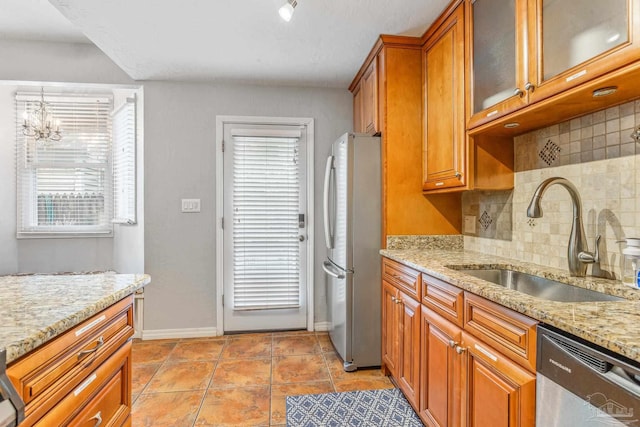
539 287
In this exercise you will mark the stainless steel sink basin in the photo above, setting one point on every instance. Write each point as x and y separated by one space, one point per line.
539 287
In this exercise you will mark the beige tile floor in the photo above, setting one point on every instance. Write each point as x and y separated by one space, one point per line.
236 380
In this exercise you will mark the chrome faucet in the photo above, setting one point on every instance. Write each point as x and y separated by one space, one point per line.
577 252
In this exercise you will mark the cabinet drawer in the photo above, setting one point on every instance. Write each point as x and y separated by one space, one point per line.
103 395
443 298
402 277
509 332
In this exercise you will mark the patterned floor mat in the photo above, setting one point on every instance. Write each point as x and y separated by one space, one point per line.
353 408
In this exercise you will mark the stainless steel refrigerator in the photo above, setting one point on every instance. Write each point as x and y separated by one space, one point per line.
352 231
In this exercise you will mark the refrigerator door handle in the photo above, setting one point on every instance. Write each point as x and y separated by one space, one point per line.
328 268
328 233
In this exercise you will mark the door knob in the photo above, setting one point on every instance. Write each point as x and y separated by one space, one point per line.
301 238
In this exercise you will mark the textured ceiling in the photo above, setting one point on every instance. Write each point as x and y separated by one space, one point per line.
240 40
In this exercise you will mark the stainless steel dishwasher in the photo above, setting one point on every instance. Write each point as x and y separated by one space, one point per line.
582 385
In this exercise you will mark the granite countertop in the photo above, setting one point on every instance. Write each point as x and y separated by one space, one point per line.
36 308
610 324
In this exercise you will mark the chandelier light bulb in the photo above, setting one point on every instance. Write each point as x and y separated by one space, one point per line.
286 11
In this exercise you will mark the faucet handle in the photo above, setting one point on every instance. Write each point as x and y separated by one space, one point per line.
590 258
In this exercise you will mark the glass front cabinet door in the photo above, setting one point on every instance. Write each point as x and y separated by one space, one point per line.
523 51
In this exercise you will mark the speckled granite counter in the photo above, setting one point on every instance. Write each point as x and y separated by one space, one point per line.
612 324
36 308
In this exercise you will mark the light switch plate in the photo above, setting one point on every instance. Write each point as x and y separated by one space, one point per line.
470 224
190 205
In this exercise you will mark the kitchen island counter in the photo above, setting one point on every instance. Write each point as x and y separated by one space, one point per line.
37 308
610 324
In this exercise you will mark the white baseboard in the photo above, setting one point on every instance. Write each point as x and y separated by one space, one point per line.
322 326
162 334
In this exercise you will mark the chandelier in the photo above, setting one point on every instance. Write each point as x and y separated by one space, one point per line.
39 124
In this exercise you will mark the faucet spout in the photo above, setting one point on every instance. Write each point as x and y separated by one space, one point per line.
578 254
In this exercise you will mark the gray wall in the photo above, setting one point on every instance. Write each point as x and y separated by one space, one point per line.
179 162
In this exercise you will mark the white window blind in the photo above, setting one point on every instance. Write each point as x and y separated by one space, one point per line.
64 187
124 163
266 204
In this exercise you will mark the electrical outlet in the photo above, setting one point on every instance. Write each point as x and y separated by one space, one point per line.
190 205
470 224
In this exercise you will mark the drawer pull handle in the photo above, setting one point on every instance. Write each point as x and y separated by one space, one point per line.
486 353
99 343
98 418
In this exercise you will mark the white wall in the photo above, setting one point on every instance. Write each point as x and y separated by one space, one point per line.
179 162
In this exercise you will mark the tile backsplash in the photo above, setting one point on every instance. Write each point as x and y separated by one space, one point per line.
598 155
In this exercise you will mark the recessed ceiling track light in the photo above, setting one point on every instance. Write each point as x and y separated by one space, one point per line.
286 11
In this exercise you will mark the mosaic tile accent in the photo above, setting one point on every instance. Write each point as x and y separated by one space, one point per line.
485 220
550 152
492 212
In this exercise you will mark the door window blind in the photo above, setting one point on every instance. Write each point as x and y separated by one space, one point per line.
266 204
124 163
64 187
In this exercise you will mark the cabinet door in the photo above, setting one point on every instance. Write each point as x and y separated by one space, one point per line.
444 144
579 40
357 109
499 392
390 329
370 98
440 371
497 35
409 373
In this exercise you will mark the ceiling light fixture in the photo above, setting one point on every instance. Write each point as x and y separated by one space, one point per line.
39 123
286 11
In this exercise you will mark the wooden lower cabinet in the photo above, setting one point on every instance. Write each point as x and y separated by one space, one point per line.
401 340
473 367
82 377
499 393
440 371
409 374
390 330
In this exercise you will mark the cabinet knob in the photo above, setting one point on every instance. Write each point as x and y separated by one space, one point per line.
529 87
393 299
460 350
452 344
458 175
518 92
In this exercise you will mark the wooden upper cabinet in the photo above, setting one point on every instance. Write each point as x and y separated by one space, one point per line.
599 37
497 66
370 99
524 51
358 125
445 153
365 101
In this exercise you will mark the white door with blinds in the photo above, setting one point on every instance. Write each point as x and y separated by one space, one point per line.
265 223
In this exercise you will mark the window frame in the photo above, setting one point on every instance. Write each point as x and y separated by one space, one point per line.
26 194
